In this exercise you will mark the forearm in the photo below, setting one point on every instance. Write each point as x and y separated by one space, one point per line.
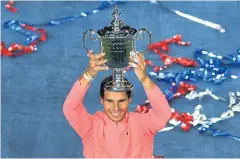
148 84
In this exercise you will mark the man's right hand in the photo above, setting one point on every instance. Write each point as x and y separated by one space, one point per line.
96 63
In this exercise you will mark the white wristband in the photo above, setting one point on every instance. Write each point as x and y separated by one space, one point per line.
87 77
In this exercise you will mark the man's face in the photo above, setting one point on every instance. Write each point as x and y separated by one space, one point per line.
115 105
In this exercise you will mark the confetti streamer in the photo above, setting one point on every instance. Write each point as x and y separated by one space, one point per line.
200 119
9 6
183 119
166 59
171 77
143 108
166 129
192 18
104 5
183 89
187 120
169 60
163 45
16 26
216 132
209 73
212 69
205 124
193 95
234 101
231 59
31 39
16 49
19 27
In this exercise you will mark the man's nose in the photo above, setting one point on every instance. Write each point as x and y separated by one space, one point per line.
116 106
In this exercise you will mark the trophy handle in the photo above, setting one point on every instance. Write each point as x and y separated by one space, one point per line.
140 36
92 33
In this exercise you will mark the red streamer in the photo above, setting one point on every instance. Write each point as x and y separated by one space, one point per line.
17 49
10 7
185 118
163 45
168 60
183 89
43 36
143 108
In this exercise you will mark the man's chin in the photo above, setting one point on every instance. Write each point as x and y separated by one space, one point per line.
116 119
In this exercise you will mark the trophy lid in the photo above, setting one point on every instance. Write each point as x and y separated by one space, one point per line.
117 27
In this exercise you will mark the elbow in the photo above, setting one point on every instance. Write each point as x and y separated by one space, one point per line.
162 122
67 112
168 113
163 119
65 109
166 116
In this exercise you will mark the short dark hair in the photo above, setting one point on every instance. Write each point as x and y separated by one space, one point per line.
108 79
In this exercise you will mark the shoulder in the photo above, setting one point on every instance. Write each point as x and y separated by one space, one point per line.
98 115
136 116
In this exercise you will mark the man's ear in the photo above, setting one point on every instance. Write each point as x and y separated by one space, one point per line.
101 99
130 99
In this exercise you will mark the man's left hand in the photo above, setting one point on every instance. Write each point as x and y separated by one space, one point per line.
140 67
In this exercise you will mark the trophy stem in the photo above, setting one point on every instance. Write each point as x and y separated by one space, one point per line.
118 83
118 78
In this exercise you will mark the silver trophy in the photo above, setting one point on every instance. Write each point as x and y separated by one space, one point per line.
118 42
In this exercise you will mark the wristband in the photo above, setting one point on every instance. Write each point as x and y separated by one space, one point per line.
87 77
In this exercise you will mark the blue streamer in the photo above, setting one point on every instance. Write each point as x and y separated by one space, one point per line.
212 68
202 55
16 26
216 132
104 5
168 94
30 37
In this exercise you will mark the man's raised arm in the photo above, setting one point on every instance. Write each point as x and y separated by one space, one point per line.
74 109
160 113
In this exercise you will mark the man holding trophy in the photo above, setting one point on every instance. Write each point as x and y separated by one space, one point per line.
116 133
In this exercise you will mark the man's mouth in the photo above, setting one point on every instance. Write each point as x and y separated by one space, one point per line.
116 113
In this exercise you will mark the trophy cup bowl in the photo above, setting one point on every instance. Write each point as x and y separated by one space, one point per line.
118 42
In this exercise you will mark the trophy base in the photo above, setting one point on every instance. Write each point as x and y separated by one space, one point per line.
118 86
